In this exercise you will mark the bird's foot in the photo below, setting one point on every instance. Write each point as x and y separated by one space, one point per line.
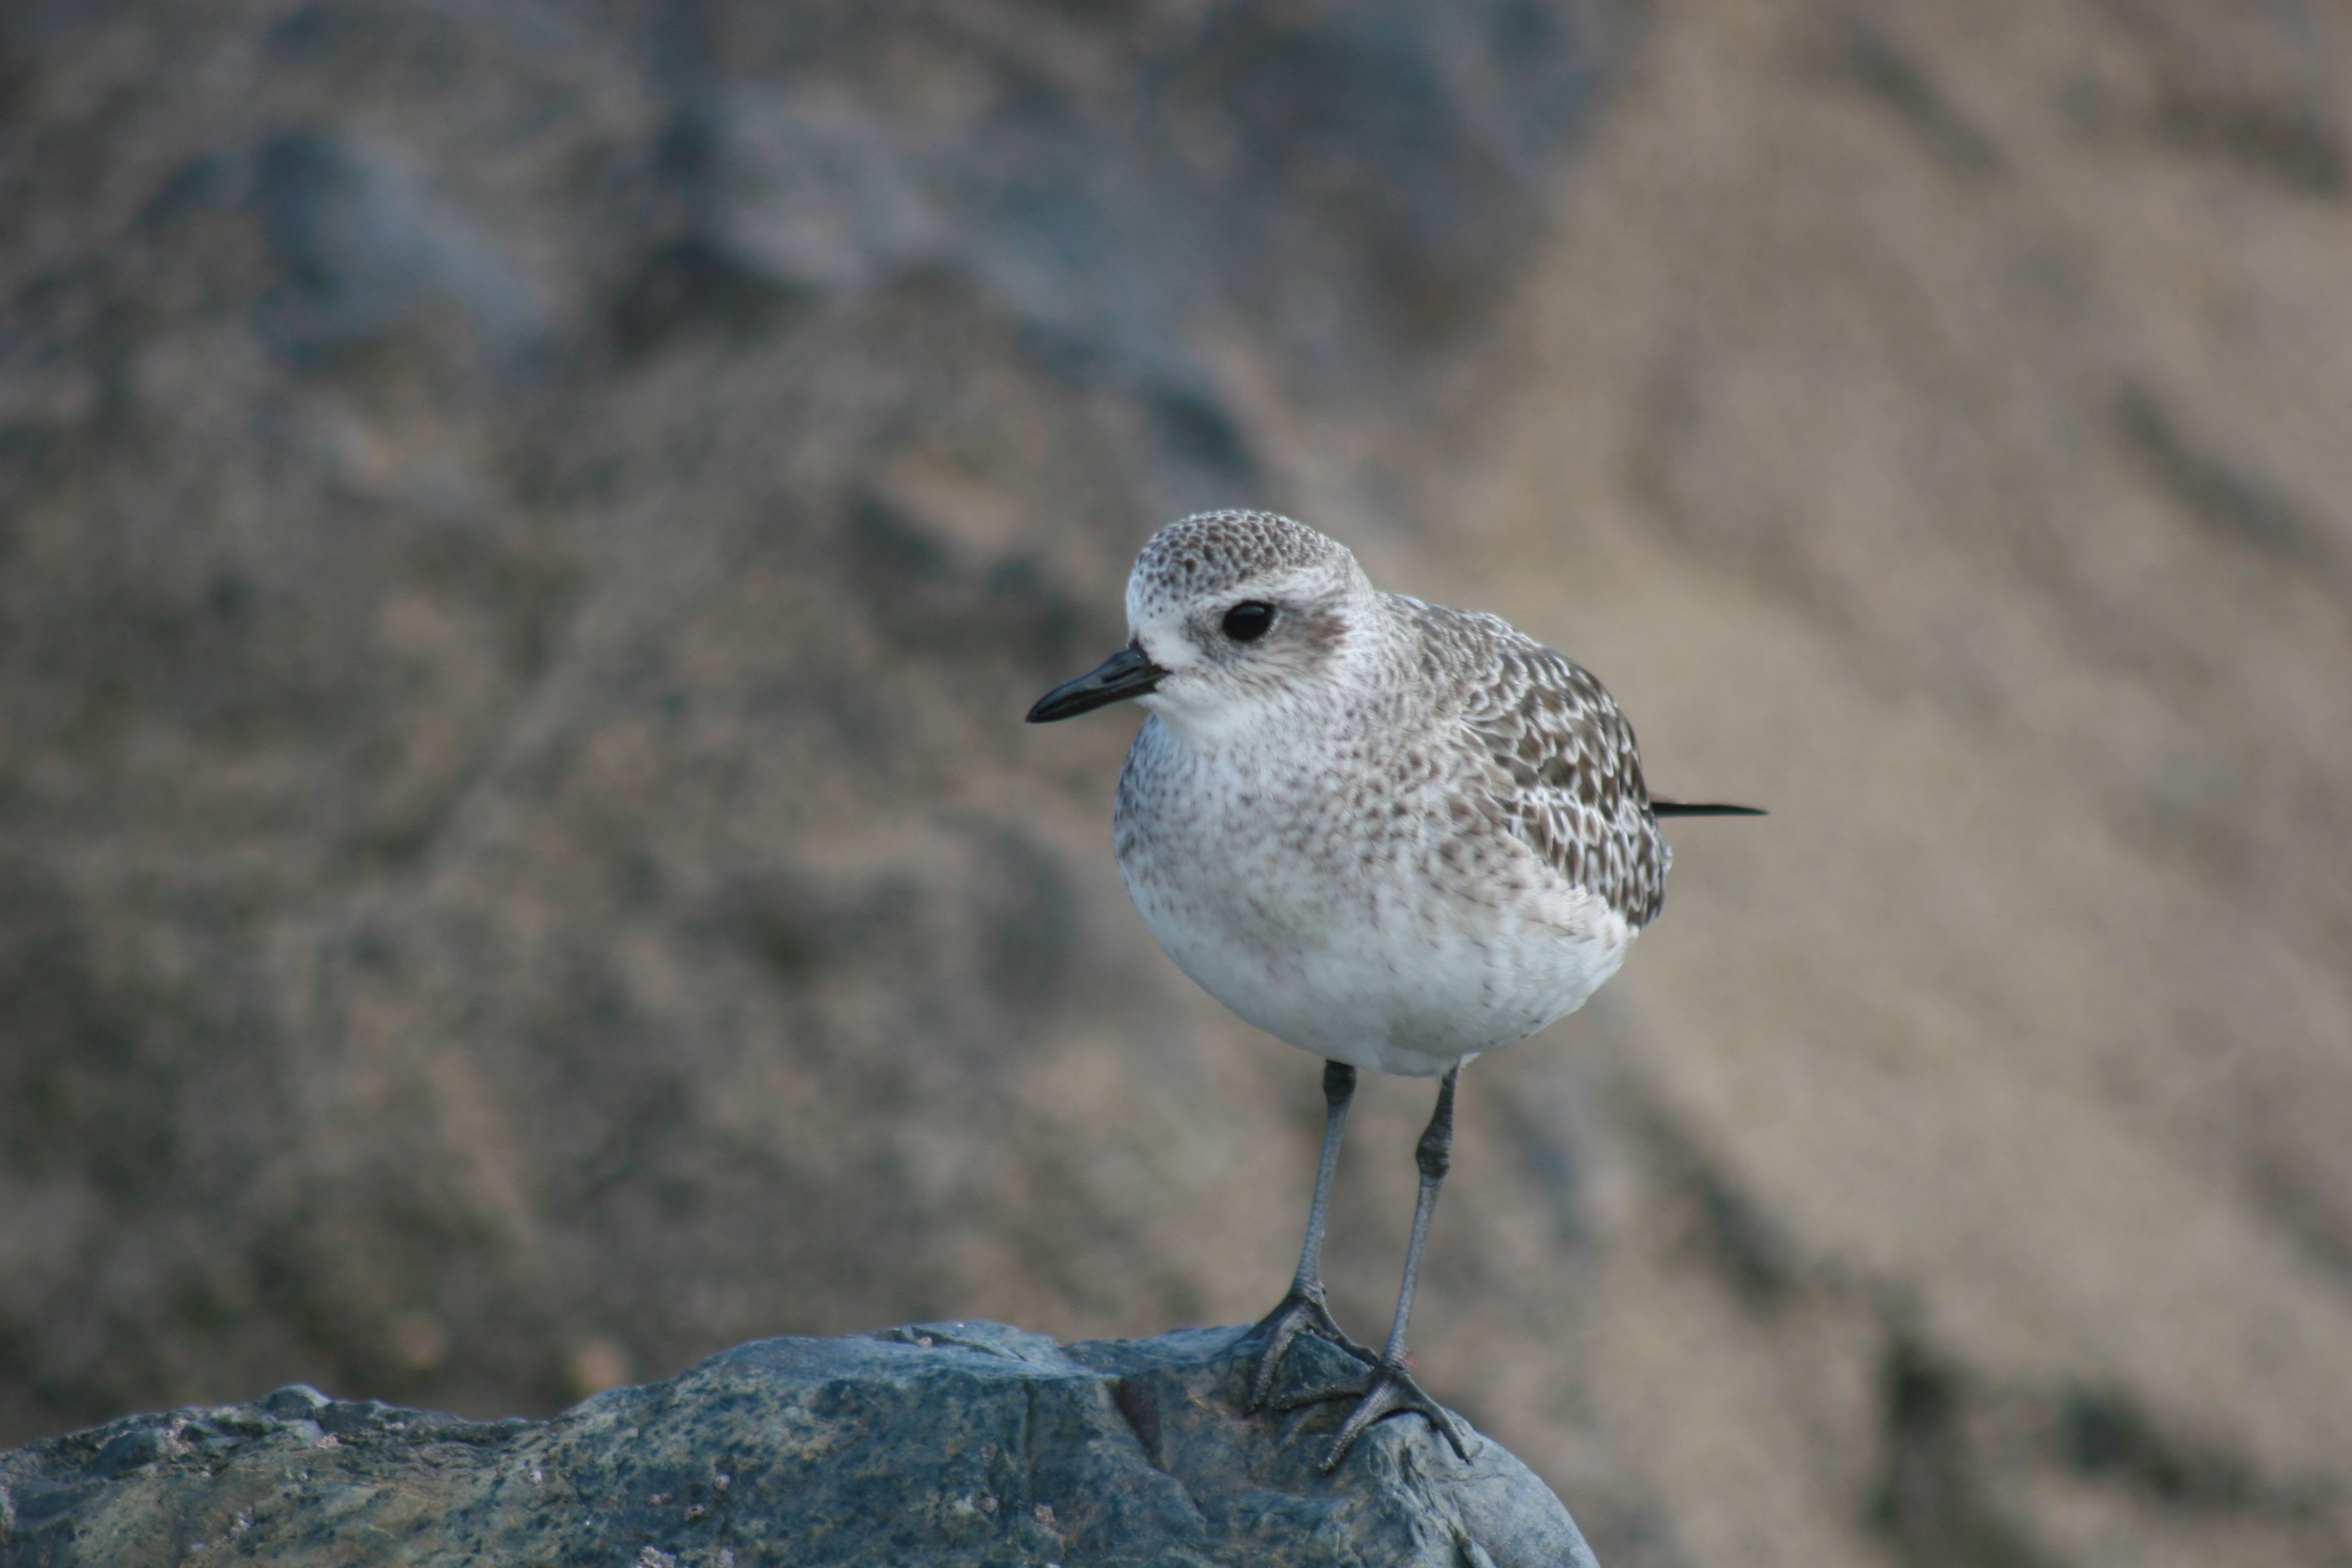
1301 1312
1387 1390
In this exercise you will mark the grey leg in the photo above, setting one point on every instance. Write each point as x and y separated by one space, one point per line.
1303 1309
1389 1389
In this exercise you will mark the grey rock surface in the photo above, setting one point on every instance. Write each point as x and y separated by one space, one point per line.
939 1444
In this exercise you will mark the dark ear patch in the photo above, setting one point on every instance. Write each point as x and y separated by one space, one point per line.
1318 628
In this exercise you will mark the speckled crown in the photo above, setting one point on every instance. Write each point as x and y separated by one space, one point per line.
1198 555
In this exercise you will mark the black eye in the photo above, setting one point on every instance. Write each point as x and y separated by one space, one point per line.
1248 621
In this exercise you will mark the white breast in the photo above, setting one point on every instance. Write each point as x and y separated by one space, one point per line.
1322 890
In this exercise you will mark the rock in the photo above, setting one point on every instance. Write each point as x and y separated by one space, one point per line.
943 1443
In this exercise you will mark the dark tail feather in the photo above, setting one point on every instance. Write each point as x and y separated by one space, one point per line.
1694 808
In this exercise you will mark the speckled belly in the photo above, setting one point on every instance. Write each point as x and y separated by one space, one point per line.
1366 958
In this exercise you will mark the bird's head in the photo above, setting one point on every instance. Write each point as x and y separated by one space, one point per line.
1229 615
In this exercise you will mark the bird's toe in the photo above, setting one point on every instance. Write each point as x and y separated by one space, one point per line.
1387 1390
1301 1312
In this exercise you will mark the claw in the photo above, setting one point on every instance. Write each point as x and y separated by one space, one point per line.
1302 1310
1387 1390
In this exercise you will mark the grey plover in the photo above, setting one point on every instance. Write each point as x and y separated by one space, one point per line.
1390 833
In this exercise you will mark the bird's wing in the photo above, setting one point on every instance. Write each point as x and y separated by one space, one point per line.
1576 794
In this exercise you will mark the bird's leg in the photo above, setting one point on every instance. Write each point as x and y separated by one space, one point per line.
1389 1389
1303 1307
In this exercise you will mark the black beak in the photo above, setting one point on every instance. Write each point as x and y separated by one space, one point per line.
1125 674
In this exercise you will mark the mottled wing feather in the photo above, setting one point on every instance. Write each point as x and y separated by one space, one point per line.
1576 794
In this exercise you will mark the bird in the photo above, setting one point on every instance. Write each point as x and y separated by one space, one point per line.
1390 833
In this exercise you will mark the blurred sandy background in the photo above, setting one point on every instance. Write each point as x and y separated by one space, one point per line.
527 531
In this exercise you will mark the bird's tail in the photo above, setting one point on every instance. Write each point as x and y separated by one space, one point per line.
1699 808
